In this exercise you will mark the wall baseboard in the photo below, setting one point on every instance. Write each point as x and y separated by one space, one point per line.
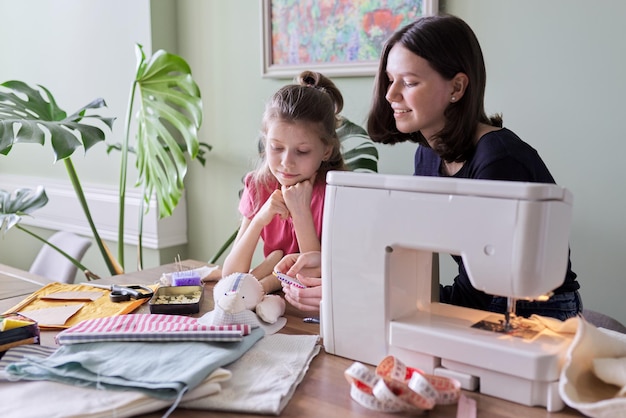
63 212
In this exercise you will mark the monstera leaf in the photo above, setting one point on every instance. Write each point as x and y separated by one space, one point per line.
21 202
169 115
358 150
27 117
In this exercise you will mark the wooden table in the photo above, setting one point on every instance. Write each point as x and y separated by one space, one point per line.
324 392
15 282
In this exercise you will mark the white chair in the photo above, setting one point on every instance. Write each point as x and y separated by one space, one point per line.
52 264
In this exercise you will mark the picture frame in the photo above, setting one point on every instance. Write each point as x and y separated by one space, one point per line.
338 39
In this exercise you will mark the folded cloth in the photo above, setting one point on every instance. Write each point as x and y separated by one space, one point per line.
569 326
162 370
247 317
613 371
584 388
264 378
34 399
149 327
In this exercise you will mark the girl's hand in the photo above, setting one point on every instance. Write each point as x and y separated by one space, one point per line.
307 299
274 205
306 268
298 197
307 264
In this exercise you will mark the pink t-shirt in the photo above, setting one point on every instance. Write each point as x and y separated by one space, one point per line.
280 234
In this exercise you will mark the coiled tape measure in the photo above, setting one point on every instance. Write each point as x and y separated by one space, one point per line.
394 387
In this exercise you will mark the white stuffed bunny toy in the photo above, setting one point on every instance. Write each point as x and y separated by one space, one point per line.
239 299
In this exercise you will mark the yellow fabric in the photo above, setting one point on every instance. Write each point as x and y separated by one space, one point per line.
100 308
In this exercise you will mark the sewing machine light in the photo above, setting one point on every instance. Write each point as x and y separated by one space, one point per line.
544 298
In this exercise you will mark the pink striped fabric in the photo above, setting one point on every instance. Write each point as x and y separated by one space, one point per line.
149 327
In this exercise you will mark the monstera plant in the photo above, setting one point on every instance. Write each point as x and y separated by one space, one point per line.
168 108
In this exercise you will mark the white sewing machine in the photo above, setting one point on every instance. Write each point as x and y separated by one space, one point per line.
380 286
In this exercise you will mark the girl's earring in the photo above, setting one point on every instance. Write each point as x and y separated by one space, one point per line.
452 99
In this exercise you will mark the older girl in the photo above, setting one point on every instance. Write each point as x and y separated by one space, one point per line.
430 89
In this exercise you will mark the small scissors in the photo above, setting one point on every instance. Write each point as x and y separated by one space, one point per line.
121 293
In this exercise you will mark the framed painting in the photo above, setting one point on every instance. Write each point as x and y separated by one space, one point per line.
339 38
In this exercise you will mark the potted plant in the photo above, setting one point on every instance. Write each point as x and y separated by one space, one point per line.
168 106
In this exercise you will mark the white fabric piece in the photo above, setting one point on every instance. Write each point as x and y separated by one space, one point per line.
264 378
36 399
579 386
219 317
568 326
611 370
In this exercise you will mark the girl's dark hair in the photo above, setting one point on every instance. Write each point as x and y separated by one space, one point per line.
450 47
313 99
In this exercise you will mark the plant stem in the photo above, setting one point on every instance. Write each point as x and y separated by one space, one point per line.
71 171
140 236
224 247
123 173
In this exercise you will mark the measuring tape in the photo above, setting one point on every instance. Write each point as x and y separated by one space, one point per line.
394 387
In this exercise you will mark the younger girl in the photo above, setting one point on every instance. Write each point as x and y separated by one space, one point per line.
282 201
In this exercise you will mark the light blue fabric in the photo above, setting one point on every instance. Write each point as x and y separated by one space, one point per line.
162 370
